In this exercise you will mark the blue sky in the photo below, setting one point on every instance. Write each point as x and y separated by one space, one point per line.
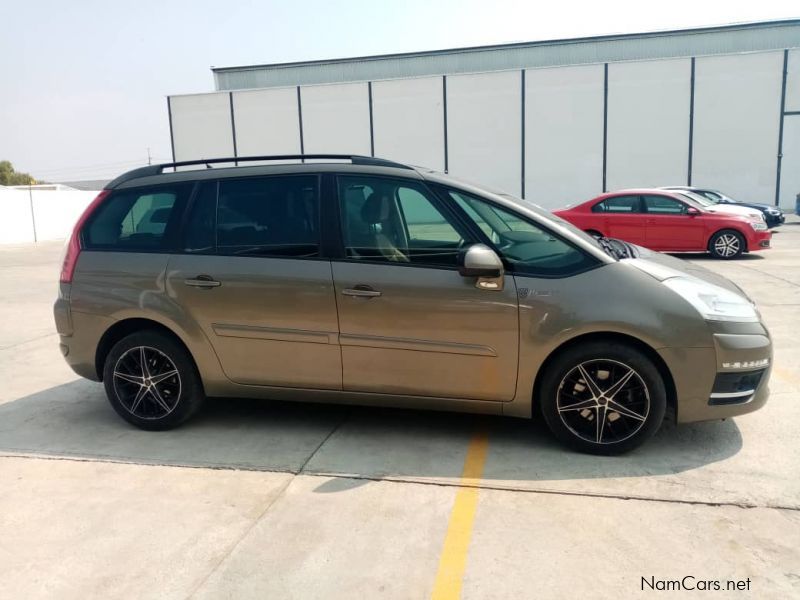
83 85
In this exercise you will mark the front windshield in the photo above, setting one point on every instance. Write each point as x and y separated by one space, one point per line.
696 199
522 241
713 196
546 214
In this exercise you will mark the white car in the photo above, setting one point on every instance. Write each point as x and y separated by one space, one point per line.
750 213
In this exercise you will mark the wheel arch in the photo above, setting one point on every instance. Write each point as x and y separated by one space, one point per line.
125 327
609 336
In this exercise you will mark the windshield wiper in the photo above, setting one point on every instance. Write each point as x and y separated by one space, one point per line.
609 247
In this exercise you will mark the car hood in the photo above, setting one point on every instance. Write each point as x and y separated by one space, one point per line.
664 266
757 205
736 209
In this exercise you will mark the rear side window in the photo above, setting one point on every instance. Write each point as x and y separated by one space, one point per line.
618 204
141 219
269 216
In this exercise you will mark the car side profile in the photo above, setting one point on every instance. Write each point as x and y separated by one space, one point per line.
773 215
668 221
358 280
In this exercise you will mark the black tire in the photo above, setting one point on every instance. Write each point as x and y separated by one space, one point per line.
170 391
727 244
573 410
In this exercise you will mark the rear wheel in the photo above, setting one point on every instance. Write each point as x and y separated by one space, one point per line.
603 398
726 244
151 381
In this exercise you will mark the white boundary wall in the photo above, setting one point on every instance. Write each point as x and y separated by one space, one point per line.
555 135
40 215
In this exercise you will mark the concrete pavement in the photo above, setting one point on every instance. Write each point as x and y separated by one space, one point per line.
265 499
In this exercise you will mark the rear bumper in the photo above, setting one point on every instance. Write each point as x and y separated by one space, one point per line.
80 335
709 382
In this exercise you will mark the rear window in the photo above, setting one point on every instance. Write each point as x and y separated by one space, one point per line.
139 219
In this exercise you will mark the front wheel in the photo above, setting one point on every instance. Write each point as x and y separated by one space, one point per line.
151 381
726 244
603 398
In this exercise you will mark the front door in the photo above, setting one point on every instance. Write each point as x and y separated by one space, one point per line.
252 277
669 227
409 323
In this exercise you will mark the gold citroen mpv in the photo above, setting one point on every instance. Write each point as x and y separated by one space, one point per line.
352 279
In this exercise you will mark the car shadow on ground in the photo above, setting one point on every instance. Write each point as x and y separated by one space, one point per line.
705 256
75 420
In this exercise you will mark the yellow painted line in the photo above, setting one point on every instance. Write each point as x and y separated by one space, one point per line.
453 560
785 375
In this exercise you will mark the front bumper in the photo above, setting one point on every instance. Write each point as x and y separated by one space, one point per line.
709 382
759 240
773 220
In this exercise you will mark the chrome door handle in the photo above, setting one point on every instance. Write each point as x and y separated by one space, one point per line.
202 281
361 291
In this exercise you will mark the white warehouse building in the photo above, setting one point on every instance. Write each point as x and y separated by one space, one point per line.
556 122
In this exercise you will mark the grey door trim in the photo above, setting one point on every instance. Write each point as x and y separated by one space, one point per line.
375 341
274 333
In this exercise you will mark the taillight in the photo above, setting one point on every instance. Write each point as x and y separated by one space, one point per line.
73 246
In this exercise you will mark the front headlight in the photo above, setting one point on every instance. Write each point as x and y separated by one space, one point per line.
758 226
713 302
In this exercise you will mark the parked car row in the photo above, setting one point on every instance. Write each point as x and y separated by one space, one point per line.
773 215
676 220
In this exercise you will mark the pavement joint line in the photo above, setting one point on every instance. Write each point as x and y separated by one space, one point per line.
768 274
322 443
28 341
269 505
403 480
453 559
241 538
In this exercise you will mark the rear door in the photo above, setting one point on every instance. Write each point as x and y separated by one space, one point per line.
669 227
410 324
251 274
622 217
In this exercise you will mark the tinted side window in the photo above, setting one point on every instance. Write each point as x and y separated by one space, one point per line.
138 219
661 205
397 221
269 216
528 247
618 204
200 233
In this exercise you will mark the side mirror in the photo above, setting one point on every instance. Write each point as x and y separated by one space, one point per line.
693 212
482 262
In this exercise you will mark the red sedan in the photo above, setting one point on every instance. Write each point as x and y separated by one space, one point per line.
669 222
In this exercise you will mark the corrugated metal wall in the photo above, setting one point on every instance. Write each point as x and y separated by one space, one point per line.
555 135
698 42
